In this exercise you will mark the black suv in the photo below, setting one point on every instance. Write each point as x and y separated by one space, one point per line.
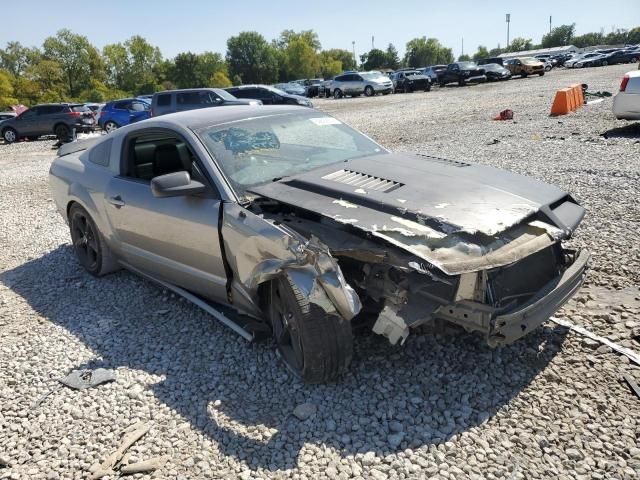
59 119
462 73
410 80
268 95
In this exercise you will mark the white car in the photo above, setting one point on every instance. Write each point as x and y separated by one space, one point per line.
626 104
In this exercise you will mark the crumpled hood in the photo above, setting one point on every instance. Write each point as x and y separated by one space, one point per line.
407 196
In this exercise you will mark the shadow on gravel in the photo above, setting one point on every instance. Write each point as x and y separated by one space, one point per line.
418 395
631 130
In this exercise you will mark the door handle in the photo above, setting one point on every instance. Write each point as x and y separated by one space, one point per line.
116 201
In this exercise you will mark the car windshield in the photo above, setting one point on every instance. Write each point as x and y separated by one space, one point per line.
491 66
530 60
260 150
276 90
467 64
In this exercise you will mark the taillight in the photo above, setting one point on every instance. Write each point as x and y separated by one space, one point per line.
74 114
625 80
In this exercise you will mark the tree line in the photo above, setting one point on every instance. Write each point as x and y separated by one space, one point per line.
67 67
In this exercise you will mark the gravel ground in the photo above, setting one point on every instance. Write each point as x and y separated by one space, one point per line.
553 405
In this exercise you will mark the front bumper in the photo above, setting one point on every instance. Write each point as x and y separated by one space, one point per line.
513 325
505 327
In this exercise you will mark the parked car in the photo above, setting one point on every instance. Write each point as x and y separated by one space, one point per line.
268 95
59 119
580 57
147 97
6 115
171 101
408 81
95 108
462 73
292 88
591 60
549 61
247 208
495 72
620 56
122 112
486 61
311 86
525 66
626 103
355 84
434 72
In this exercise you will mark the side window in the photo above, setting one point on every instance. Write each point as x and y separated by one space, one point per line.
153 154
31 113
101 153
340 78
138 107
164 100
121 105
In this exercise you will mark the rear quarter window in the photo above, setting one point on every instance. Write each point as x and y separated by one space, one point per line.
101 153
164 100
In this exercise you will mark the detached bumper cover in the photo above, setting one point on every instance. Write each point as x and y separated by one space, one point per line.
511 326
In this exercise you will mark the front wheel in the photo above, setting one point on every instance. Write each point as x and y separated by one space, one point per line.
337 93
523 74
368 91
110 126
604 63
315 345
541 74
91 250
427 88
10 135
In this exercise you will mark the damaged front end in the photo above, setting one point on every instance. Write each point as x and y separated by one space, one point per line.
502 285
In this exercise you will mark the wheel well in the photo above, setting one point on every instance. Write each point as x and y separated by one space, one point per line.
59 124
69 205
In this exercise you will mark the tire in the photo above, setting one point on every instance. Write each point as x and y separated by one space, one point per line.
62 132
408 88
541 74
33 138
314 345
634 59
524 74
110 126
428 88
442 84
9 135
337 93
604 63
547 68
88 243
461 83
368 91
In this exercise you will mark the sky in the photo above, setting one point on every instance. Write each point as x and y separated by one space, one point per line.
201 25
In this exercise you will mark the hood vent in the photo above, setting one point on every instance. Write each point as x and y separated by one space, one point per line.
362 180
445 161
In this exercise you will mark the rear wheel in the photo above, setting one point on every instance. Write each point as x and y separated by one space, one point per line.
427 88
604 63
9 135
523 74
368 91
91 250
634 59
314 345
62 133
110 126
337 93
408 88
541 74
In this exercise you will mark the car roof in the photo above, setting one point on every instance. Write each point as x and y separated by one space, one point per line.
203 117
183 90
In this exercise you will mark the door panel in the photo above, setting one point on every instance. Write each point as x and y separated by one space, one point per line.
175 239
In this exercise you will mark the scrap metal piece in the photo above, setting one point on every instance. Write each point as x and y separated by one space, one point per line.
632 384
145 466
106 468
633 356
81 379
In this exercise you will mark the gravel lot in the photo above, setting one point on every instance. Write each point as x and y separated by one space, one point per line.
553 405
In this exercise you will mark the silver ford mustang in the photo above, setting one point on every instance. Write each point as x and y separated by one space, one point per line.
287 221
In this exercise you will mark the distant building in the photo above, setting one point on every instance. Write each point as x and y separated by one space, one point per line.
541 51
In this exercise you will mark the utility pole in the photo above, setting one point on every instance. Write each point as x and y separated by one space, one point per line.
462 49
353 43
508 21
549 24
372 46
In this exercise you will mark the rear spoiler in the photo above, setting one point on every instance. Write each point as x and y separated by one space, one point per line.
78 146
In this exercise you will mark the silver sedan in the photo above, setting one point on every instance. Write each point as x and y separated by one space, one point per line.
284 220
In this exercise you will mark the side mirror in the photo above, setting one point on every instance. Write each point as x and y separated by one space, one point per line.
176 184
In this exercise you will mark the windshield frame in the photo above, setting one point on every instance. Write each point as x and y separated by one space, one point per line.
243 194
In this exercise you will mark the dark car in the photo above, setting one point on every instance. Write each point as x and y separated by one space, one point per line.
268 95
172 101
312 86
434 72
408 81
59 119
620 56
462 73
7 115
122 112
495 72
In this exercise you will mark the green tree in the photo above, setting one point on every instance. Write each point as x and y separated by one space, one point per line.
520 44
49 76
329 66
422 51
15 58
464 58
220 80
252 58
132 66
633 36
617 37
309 36
344 56
6 91
210 63
481 53
301 59
184 70
392 60
588 39
80 61
559 36
374 59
